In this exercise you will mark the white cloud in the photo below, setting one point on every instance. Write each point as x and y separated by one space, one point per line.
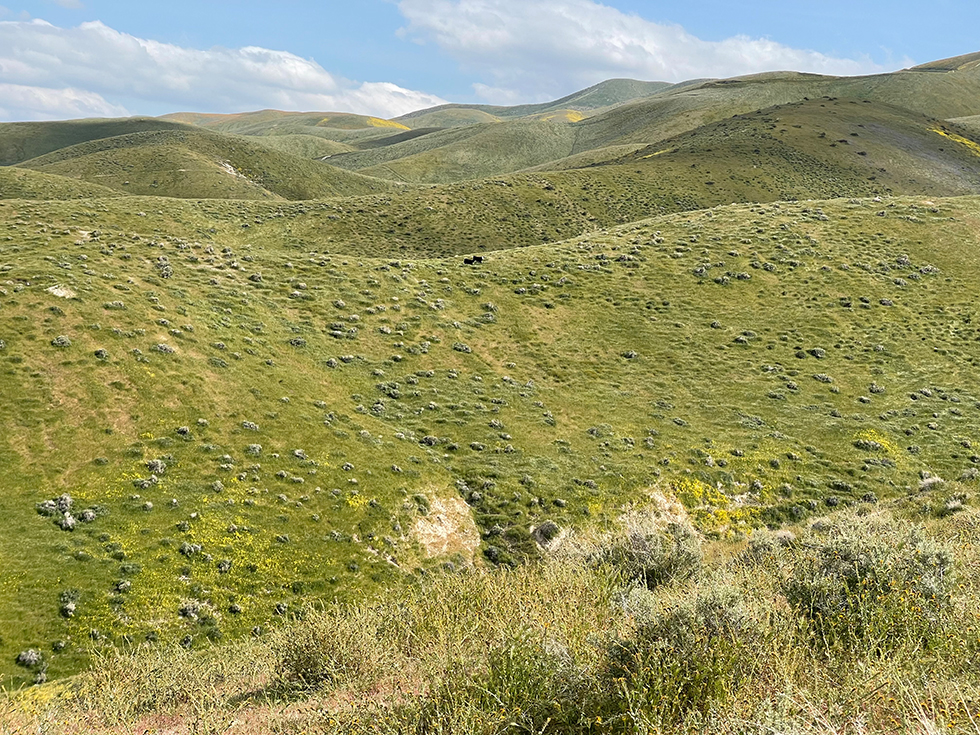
533 49
22 102
93 68
70 4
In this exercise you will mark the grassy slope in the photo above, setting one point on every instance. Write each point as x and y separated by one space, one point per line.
971 123
496 148
339 127
489 151
714 166
886 145
18 183
548 371
941 95
535 649
605 94
201 164
302 145
23 141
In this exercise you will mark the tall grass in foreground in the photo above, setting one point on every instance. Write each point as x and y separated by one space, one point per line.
868 626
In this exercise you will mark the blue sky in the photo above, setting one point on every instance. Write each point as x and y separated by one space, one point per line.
385 57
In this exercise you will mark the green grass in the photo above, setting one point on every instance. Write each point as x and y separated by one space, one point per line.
304 146
21 184
488 150
605 94
571 645
198 164
548 416
23 141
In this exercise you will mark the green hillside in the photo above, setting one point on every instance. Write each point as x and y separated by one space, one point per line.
758 360
941 95
605 94
833 139
971 123
487 150
495 148
198 164
257 362
302 145
22 141
16 183
341 127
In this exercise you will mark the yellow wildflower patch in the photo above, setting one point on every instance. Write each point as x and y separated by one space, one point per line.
972 145
377 122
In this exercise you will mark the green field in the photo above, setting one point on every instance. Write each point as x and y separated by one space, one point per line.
250 366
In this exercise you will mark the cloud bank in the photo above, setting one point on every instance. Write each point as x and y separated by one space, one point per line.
542 49
47 72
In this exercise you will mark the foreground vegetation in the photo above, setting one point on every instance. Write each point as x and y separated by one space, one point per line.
866 622
243 426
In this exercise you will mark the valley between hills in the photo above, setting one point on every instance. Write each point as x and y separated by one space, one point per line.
293 403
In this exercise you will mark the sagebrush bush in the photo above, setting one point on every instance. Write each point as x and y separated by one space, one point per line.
651 553
341 646
528 684
684 653
872 584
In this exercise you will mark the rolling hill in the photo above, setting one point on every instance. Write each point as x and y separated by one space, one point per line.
255 362
198 164
245 424
609 93
23 141
532 138
18 183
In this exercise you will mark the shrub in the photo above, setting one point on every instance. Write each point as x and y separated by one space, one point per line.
30 658
528 684
683 654
651 554
339 646
873 584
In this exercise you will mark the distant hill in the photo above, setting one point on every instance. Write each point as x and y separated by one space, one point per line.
336 126
971 123
23 141
473 152
200 164
939 95
965 62
18 183
605 94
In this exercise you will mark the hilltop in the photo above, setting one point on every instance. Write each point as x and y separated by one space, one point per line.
200 165
610 93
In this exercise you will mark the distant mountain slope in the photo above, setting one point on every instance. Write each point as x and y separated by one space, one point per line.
343 127
494 150
955 63
18 183
971 123
830 140
938 94
23 141
473 152
201 164
303 145
604 94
